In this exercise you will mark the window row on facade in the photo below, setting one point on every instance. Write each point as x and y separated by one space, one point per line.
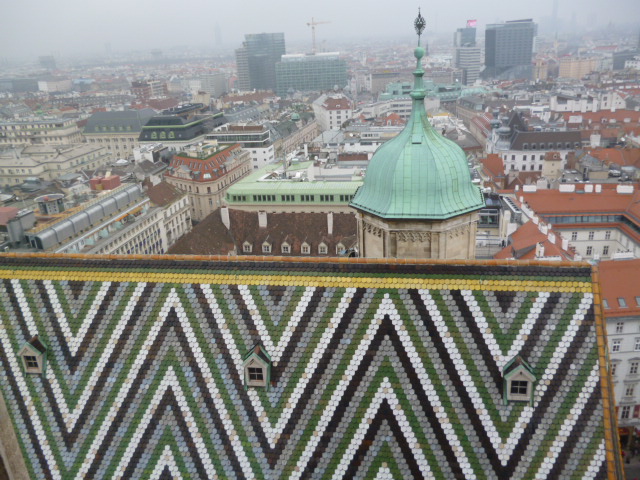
286 248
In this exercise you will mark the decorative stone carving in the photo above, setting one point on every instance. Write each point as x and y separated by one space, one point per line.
413 236
372 229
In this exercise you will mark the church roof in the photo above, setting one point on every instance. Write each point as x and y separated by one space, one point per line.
389 369
419 174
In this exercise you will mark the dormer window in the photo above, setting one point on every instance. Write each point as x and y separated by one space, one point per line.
33 354
305 248
340 250
322 249
286 248
257 367
266 247
518 381
247 247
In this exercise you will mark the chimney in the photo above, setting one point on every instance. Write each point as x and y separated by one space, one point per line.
598 188
224 214
262 219
330 223
535 220
552 237
565 244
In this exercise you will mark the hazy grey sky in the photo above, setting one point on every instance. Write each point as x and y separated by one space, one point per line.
40 27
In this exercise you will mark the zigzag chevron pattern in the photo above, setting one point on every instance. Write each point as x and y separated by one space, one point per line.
378 372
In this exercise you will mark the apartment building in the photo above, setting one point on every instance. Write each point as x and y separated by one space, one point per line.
51 131
205 172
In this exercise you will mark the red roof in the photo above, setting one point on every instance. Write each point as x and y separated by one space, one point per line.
523 244
7 213
619 116
211 167
545 202
620 279
621 156
342 103
493 165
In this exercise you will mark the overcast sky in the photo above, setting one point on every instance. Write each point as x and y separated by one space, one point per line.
65 27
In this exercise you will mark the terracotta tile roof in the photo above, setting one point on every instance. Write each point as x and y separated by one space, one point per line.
620 279
545 202
523 243
163 194
523 178
7 213
493 164
618 116
206 169
342 103
620 156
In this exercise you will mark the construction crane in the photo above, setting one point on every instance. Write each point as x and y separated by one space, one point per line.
313 24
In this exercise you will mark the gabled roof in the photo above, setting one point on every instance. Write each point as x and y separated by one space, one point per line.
620 279
372 361
259 351
37 344
294 228
528 241
207 167
519 139
620 156
7 213
164 194
494 165
515 363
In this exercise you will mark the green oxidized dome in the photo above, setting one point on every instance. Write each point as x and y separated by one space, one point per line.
419 174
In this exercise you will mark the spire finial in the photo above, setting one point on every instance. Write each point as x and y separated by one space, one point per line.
419 24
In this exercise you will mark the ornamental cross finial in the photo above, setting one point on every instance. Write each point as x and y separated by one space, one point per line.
419 24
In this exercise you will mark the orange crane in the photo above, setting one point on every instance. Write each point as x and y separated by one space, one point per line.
313 24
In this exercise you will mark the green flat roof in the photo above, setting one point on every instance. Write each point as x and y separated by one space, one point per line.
256 184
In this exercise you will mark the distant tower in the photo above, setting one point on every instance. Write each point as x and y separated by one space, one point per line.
417 199
466 55
256 60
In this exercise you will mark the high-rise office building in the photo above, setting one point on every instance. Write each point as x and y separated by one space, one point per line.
465 37
509 49
256 60
304 73
466 55
467 59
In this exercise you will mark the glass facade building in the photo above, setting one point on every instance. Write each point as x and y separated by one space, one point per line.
305 73
256 60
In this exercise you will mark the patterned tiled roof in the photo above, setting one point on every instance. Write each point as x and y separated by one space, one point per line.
379 369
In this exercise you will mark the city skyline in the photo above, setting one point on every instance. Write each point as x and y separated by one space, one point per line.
62 28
